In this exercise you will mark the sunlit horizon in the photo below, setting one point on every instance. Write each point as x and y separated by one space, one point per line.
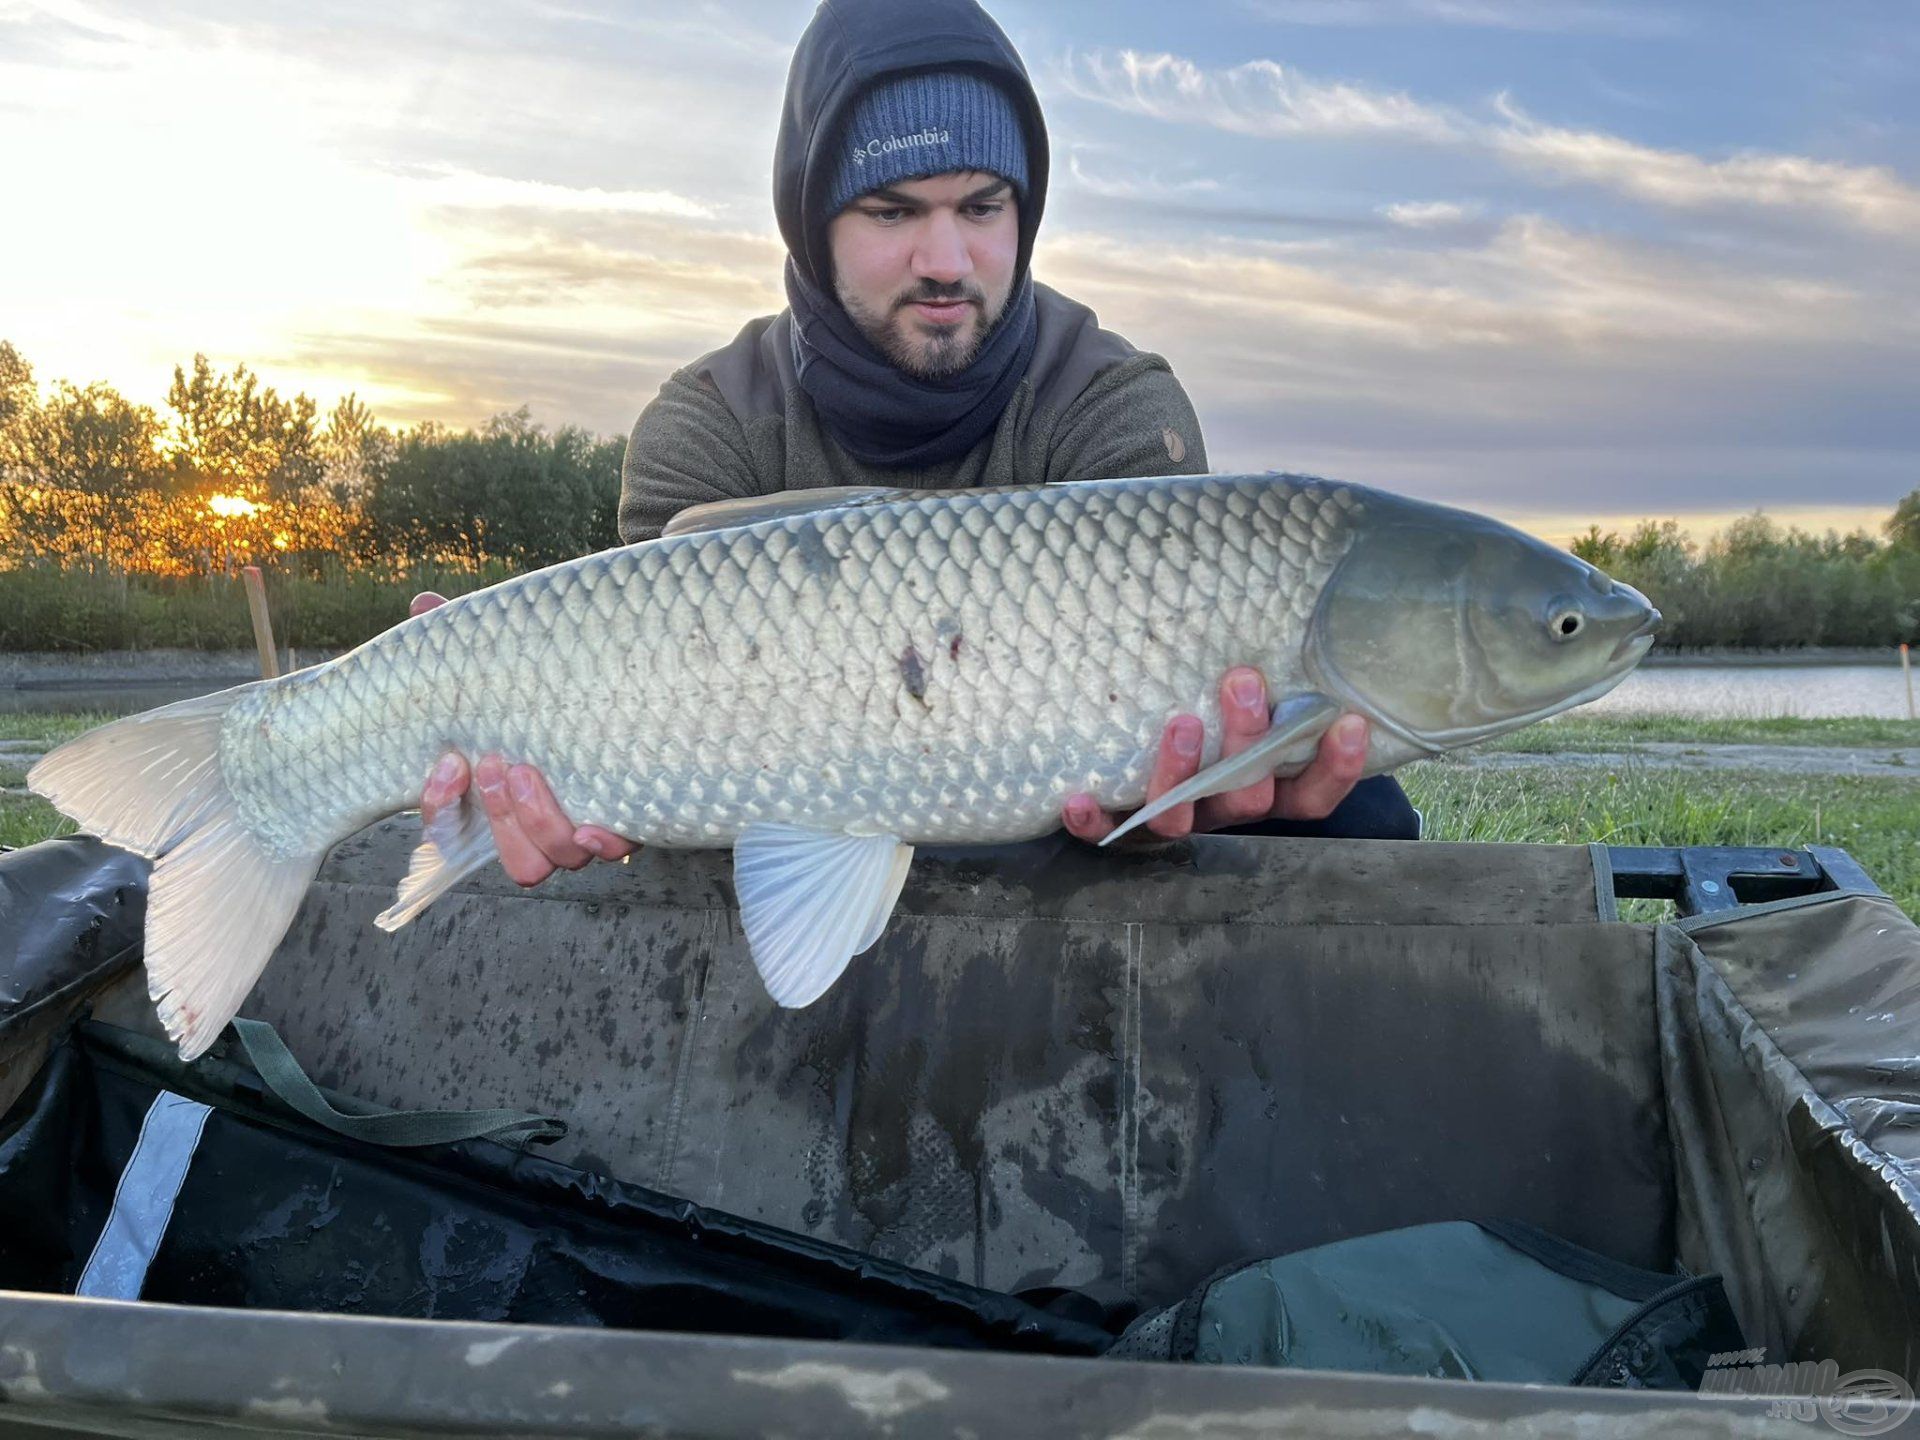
1558 528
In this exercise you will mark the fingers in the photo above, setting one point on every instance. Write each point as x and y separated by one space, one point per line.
1335 769
603 842
523 861
1179 760
424 602
1245 715
532 835
444 786
530 831
1085 820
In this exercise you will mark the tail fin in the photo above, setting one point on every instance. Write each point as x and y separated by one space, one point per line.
217 903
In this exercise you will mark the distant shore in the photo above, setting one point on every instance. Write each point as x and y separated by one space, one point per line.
41 669
1808 655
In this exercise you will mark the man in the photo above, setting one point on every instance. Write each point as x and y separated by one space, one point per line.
917 351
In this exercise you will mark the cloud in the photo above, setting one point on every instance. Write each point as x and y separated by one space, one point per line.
1138 186
458 371
1260 97
1147 197
650 264
654 286
63 37
1428 214
1869 196
579 313
395 180
1535 15
1536 367
543 93
1532 284
708 26
1617 94
520 210
466 188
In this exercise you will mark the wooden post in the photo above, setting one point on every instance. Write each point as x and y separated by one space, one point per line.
262 626
1906 668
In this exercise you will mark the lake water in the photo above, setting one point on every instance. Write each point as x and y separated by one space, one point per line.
1738 691
1759 691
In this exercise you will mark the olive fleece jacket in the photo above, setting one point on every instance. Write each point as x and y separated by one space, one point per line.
736 423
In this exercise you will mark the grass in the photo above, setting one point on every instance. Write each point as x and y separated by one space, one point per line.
47 730
27 819
77 612
1620 732
1877 821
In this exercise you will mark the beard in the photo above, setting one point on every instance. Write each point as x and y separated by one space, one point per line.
927 352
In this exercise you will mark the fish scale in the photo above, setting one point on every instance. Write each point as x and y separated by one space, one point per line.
1054 598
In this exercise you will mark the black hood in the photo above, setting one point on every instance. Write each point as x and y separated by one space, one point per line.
849 45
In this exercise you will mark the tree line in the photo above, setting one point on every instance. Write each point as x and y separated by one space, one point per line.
346 513
1759 584
231 472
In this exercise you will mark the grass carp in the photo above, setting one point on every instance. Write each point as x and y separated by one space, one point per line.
824 679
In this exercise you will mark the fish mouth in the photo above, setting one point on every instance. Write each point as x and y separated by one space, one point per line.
1643 637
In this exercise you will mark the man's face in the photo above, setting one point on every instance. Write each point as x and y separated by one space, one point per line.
925 267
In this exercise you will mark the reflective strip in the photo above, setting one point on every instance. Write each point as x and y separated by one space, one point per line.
143 1200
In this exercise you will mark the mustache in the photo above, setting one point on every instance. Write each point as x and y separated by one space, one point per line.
934 294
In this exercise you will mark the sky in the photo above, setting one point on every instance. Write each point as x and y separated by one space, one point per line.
1557 260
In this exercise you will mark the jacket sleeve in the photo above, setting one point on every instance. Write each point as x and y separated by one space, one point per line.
1134 418
686 449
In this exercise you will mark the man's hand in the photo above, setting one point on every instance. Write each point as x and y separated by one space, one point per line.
1245 715
531 833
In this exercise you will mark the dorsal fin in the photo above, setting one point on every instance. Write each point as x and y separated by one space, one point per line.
751 509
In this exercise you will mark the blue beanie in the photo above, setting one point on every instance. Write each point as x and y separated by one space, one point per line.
928 123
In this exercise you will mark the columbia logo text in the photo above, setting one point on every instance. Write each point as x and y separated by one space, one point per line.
886 145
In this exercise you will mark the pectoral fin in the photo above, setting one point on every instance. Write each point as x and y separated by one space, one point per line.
1297 718
457 843
810 900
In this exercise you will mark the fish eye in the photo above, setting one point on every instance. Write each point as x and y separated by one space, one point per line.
1564 621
